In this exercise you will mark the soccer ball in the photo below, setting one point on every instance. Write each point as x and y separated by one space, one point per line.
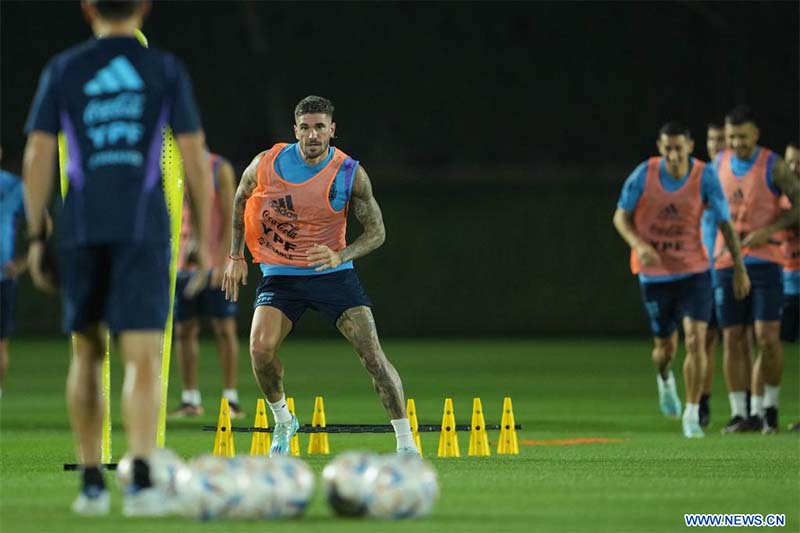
345 485
278 487
212 487
401 487
164 467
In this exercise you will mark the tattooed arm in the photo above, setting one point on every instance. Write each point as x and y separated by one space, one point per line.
368 214
741 281
236 269
789 184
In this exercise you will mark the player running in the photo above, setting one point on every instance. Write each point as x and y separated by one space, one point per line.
658 215
297 197
112 97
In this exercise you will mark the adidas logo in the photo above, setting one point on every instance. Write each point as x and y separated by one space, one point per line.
284 206
669 212
737 197
118 75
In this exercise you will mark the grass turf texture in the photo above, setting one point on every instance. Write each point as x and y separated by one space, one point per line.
561 390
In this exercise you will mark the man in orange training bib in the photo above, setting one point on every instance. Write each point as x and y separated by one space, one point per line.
291 209
659 216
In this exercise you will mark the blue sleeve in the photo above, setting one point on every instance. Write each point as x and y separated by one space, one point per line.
185 116
773 157
43 115
713 197
633 188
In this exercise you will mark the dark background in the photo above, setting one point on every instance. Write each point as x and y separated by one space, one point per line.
497 135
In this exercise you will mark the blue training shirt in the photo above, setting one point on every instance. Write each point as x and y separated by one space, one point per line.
12 213
112 98
740 167
710 191
292 168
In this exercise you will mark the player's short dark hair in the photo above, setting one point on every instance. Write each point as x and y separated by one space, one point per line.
314 104
674 128
714 126
115 10
741 114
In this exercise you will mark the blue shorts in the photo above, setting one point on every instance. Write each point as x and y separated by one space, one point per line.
668 302
330 294
8 304
790 324
210 302
762 304
125 285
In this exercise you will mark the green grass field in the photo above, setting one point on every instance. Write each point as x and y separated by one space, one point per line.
561 390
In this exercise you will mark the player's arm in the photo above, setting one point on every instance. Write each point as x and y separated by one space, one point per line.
236 269
226 186
789 184
741 280
623 222
368 213
198 184
38 176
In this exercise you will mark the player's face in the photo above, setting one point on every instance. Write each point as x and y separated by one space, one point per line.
676 150
313 133
793 159
715 142
742 139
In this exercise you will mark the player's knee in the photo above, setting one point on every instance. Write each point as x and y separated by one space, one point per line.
263 351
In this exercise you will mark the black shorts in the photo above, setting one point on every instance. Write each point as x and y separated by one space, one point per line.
8 304
790 323
668 302
330 294
209 303
764 303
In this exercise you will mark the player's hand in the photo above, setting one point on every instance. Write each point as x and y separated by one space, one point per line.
647 255
215 282
41 280
741 283
760 237
197 283
235 273
14 268
323 258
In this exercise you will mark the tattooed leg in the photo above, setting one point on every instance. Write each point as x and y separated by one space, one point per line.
358 326
270 326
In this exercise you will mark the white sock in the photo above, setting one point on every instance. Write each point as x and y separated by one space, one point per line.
757 406
191 396
280 410
232 395
771 396
692 411
738 401
402 431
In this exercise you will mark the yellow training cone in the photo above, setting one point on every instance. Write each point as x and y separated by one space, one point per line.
411 412
223 441
508 434
478 439
294 444
260 443
448 438
318 442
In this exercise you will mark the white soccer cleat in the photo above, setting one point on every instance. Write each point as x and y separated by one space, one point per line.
282 437
691 428
151 501
96 504
408 451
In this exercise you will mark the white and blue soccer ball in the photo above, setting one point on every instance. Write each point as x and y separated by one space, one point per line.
345 484
401 487
278 487
212 487
164 467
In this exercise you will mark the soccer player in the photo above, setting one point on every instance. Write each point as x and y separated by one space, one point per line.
790 324
715 143
658 215
112 97
753 178
297 197
12 264
211 302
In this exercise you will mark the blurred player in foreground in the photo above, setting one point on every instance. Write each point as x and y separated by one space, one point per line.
210 303
112 97
658 215
297 197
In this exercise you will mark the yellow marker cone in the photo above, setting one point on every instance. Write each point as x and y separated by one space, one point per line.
508 435
478 439
223 441
318 442
260 443
411 412
294 444
448 438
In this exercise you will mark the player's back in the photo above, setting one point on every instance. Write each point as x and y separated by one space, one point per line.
112 98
